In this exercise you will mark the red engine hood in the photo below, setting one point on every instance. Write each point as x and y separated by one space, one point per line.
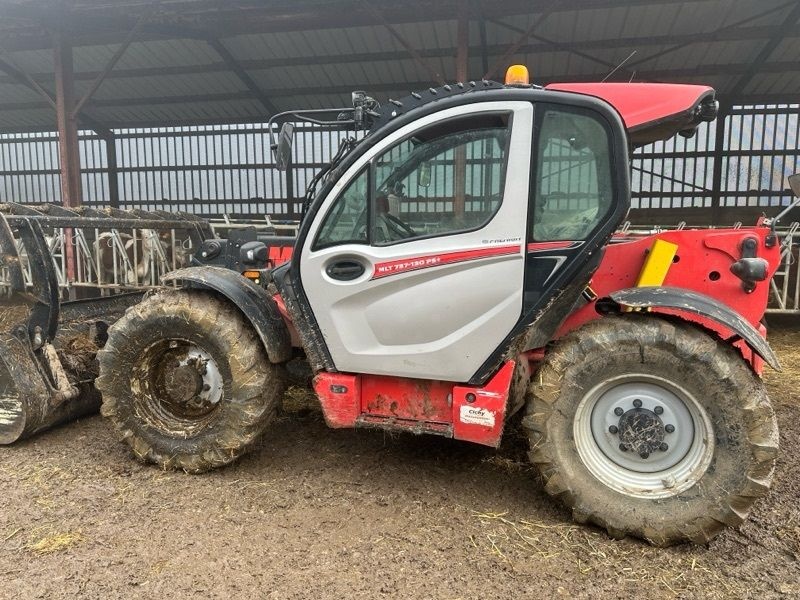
652 111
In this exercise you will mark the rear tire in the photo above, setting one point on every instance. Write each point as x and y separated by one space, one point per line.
186 382
692 443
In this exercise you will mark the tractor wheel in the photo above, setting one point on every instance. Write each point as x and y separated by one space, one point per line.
651 428
186 382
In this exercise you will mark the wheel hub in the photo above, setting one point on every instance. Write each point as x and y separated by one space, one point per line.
188 380
183 383
643 435
641 431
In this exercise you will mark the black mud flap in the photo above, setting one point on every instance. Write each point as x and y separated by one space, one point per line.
699 304
253 301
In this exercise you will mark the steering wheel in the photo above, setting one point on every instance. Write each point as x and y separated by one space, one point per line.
398 227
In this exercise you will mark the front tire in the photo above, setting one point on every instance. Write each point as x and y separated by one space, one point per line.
652 429
186 382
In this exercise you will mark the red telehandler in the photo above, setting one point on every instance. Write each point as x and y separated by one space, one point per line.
461 264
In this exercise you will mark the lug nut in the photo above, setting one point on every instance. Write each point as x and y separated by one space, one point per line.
658 410
618 411
664 446
637 403
613 429
669 428
644 454
623 447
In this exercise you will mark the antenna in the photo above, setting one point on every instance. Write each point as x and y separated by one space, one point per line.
615 69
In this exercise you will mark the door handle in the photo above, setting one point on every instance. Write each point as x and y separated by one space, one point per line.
345 270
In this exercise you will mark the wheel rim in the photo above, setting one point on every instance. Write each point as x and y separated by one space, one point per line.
179 385
643 436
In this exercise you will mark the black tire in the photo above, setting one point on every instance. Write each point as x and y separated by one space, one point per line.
145 349
743 429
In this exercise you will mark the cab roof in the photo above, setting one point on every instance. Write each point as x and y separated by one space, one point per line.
652 111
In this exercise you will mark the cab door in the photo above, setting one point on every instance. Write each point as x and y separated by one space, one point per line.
416 266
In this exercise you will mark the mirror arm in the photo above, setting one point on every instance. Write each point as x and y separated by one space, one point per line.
794 184
304 115
774 221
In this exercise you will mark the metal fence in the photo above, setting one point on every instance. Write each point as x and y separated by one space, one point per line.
210 171
760 149
228 170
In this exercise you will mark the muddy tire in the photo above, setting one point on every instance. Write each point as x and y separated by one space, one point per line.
651 428
186 382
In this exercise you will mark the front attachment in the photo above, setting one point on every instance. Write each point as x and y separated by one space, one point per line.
48 344
28 402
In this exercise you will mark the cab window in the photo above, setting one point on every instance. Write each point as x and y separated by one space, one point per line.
446 178
573 189
346 221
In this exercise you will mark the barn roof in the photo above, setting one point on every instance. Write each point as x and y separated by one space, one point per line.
179 62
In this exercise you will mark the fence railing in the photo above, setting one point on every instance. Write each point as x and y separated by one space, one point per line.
228 169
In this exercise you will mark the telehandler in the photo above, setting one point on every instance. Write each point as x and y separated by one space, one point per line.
462 263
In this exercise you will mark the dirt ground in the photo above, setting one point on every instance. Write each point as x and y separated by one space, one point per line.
316 513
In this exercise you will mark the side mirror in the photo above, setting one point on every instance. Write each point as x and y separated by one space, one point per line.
794 183
282 151
424 179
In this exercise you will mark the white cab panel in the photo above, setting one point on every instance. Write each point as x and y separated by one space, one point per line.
443 312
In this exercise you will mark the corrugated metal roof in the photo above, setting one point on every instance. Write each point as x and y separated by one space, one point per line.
309 54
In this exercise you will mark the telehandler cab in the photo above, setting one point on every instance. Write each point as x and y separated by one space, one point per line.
459 264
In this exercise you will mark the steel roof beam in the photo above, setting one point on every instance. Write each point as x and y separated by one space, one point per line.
763 56
98 81
732 27
296 16
744 34
19 76
413 52
524 35
554 45
240 72
23 78
654 75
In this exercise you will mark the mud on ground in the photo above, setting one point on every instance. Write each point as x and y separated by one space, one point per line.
317 513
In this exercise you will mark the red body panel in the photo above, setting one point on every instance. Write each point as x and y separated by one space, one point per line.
474 414
479 414
279 255
403 398
641 104
702 264
340 396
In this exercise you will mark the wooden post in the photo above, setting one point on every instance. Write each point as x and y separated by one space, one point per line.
462 66
68 149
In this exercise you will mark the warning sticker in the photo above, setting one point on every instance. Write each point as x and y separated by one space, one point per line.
477 416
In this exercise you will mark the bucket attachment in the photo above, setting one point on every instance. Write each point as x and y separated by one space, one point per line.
48 346
27 403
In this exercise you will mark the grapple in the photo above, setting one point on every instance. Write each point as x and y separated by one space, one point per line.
65 276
